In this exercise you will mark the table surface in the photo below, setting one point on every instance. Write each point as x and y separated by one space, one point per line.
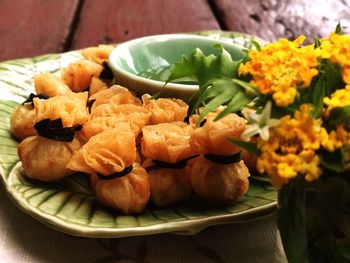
34 27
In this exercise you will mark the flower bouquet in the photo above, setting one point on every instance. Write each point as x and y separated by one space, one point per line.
297 101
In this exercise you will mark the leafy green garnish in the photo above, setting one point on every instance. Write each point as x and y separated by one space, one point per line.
317 97
333 161
250 147
339 30
339 115
217 79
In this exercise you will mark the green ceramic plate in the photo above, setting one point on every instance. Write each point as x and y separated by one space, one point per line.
70 206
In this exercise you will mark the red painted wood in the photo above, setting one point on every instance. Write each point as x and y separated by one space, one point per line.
272 19
113 21
33 27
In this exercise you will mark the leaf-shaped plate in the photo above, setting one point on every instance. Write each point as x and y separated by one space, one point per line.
70 206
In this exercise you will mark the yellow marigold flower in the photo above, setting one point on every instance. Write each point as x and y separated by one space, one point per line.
337 138
280 68
336 48
291 148
339 98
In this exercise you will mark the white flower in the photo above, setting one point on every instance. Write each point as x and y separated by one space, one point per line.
260 123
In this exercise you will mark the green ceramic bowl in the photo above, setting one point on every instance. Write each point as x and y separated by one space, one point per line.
143 64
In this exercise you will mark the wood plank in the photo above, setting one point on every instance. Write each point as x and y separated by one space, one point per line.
271 19
33 27
113 21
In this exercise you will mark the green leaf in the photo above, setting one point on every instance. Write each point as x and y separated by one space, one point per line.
247 86
339 115
208 92
291 220
237 103
317 98
333 161
339 30
250 147
317 42
332 76
256 45
203 68
217 101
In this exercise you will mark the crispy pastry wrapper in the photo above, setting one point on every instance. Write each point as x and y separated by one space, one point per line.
165 110
108 152
168 186
167 142
78 74
45 159
97 85
71 109
212 136
22 122
136 115
114 95
128 194
97 54
219 184
50 85
97 125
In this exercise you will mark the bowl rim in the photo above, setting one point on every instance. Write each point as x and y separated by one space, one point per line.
160 84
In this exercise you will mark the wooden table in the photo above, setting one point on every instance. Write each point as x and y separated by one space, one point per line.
33 27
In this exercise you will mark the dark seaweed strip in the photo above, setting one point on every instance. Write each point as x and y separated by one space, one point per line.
224 159
53 129
126 171
90 103
163 165
32 96
106 73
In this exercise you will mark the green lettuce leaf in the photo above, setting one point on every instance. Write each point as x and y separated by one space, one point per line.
217 79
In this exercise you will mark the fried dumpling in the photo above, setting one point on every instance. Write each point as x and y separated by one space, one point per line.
128 194
45 159
97 54
50 85
212 137
167 142
78 74
219 184
167 147
109 157
106 153
71 109
165 110
22 121
114 95
168 185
